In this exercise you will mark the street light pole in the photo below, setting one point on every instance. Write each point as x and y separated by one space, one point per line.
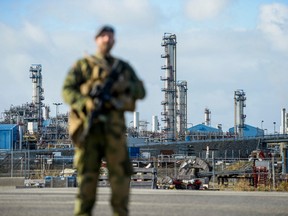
57 112
262 125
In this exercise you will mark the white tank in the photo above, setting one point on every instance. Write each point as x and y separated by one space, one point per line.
32 127
46 112
136 121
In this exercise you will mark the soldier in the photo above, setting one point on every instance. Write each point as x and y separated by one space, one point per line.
97 125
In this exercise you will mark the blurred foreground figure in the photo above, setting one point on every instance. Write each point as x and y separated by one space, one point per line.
100 88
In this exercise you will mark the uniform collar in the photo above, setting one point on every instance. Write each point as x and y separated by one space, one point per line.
101 56
107 58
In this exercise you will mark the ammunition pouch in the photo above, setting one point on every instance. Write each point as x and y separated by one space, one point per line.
76 127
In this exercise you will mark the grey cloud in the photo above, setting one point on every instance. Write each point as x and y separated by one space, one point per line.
273 22
205 9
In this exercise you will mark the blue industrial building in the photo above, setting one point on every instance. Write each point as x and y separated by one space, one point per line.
204 129
9 136
249 131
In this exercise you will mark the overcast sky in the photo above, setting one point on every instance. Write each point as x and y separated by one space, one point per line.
222 46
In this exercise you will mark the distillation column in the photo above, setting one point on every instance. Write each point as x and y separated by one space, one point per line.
169 103
37 96
181 108
239 116
207 117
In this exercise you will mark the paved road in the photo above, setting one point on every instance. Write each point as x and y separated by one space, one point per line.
59 201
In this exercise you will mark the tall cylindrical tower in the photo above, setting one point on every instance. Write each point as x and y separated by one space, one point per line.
239 116
181 108
38 91
169 103
207 117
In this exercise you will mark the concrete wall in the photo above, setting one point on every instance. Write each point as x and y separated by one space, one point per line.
12 181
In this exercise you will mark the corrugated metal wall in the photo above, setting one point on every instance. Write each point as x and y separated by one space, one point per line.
9 135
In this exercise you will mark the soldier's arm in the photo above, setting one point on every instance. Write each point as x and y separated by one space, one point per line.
71 88
137 89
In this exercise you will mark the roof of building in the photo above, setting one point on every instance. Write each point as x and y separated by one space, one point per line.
203 128
7 126
249 130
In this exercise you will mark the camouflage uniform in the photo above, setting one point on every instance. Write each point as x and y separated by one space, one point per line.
106 139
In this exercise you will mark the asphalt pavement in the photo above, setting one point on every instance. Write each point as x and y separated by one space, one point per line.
59 201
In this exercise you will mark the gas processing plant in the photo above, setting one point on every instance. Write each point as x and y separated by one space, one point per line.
36 128
35 123
30 127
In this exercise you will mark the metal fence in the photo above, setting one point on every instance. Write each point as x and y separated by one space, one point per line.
36 164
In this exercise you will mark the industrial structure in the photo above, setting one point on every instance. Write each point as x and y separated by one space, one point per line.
175 93
284 122
30 115
207 113
37 96
239 116
155 124
29 137
36 128
181 111
39 128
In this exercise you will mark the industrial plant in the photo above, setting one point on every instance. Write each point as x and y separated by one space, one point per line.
32 143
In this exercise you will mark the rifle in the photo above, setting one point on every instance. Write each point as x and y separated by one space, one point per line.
101 94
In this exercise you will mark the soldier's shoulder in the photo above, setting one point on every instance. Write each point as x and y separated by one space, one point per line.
84 60
80 62
125 63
